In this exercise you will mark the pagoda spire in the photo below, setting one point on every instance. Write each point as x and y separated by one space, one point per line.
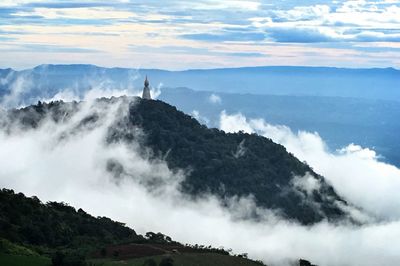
146 90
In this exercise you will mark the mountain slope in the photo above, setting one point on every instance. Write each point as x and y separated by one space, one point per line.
28 221
226 165
230 165
31 232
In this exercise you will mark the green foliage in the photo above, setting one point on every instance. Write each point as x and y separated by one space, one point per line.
227 164
20 260
57 258
73 231
74 258
150 262
28 221
103 252
224 164
13 249
158 238
303 262
168 261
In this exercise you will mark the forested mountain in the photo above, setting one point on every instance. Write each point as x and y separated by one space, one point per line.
232 164
216 162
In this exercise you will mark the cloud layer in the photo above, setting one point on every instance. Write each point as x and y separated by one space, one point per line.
222 33
59 162
355 172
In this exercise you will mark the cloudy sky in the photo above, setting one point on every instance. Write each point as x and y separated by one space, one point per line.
174 34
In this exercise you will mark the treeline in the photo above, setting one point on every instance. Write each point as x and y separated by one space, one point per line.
28 221
29 227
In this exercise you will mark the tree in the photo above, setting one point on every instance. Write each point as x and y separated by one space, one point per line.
103 252
57 258
303 262
150 262
68 259
115 253
166 262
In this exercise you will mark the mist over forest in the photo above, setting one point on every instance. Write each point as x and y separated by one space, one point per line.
199 132
139 166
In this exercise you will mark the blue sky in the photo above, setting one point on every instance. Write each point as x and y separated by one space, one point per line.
174 34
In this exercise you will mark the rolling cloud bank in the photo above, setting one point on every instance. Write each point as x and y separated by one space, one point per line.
67 161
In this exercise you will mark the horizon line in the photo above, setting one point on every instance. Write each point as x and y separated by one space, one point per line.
205 69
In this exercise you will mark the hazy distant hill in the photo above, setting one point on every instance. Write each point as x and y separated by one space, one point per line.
224 164
47 80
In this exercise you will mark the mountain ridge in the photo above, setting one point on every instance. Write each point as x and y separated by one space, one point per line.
46 81
225 164
206 69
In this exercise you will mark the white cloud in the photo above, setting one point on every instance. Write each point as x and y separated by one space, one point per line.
307 183
202 119
355 172
351 21
363 153
153 25
251 5
73 169
214 98
11 3
16 88
304 12
77 13
234 123
156 91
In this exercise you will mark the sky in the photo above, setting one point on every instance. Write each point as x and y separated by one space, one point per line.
177 35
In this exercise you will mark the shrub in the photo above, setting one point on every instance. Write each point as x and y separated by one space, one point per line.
166 262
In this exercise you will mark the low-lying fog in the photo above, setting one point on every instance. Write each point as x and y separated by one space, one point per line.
72 168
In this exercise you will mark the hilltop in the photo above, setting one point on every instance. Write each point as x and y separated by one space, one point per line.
223 164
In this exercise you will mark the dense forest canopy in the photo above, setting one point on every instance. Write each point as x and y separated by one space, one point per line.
224 164
28 221
32 232
230 164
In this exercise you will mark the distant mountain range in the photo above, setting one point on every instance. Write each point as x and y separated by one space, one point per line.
344 106
48 80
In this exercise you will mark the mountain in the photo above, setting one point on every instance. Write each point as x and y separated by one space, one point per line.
31 232
45 81
223 164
